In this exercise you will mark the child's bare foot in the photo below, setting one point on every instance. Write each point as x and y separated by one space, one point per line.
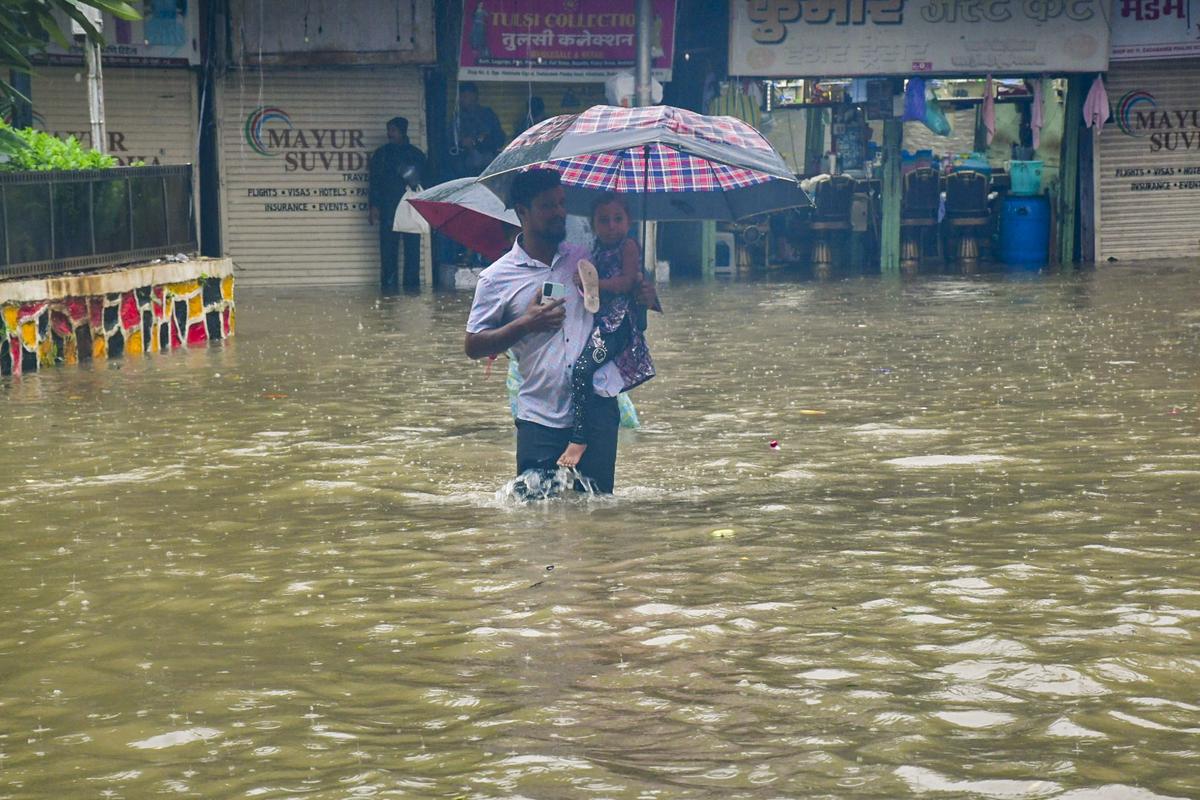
589 282
570 457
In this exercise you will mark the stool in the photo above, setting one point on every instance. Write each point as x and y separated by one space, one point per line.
967 252
822 254
913 234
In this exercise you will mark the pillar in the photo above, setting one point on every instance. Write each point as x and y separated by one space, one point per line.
22 108
708 249
1068 195
890 189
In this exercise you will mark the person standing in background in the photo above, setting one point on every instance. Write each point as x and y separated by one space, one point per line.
395 168
535 112
475 135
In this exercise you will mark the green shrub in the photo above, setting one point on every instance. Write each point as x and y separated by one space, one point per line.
45 152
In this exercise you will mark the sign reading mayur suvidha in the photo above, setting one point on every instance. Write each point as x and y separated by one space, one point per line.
269 131
1139 113
812 38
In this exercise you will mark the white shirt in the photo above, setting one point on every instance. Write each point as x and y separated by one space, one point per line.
545 359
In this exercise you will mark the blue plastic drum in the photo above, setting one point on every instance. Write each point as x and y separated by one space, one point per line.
1025 231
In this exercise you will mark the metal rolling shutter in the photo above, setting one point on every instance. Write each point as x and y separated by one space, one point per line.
314 239
1158 222
150 113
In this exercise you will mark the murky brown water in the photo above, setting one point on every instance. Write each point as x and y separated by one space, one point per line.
279 569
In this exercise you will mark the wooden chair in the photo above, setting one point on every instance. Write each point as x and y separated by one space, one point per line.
918 216
831 216
966 215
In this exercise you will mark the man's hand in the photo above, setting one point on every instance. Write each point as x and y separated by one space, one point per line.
538 318
373 215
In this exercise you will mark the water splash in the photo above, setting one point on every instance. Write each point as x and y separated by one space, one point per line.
543 484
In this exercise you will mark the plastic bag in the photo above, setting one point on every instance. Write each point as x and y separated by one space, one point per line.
935 118
915 108
407 220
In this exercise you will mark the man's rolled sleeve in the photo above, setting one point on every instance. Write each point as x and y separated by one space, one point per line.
487 310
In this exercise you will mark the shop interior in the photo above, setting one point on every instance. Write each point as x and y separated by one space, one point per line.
978 177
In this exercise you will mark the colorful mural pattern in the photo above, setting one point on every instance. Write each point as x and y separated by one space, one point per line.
150 319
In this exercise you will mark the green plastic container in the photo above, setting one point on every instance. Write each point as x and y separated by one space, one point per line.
1026 177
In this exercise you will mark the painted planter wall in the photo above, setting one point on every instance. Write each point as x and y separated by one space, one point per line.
133 320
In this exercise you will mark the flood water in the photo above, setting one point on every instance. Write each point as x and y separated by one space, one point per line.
280 568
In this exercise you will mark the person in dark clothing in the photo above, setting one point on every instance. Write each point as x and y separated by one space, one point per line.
394 168
535 112
475 135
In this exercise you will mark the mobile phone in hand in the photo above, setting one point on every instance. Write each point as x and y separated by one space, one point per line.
553 291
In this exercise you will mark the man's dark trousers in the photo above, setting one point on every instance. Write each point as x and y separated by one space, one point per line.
538 447
389 258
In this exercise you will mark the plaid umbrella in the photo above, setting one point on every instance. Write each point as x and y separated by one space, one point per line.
684 166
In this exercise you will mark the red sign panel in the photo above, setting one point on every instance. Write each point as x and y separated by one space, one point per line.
551 40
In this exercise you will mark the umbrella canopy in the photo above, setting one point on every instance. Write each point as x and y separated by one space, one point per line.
469 214
685 166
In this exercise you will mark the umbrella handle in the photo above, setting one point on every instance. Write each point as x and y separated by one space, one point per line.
639 310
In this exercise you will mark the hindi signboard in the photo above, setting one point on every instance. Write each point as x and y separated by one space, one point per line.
547 40
847 38
1146 29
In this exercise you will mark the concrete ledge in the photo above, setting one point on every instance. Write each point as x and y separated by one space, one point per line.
115 280
127 311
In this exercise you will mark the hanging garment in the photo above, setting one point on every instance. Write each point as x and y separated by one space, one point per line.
1095 107
988 112
858 90
733 102
1037 114
914 100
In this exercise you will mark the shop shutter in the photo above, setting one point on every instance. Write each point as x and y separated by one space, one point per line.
1149 197
296 213
150 113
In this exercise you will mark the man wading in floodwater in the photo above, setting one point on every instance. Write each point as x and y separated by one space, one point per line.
545 339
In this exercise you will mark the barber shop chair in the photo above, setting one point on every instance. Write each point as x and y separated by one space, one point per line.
918 216
967 215
831 217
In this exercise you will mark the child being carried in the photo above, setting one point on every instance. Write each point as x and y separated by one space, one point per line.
608 288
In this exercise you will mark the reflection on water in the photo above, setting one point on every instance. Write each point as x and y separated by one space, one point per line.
281 568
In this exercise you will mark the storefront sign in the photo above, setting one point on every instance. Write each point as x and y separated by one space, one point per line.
547 40
165 36
843 38
1166 127
335 157
119 145
1145 29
